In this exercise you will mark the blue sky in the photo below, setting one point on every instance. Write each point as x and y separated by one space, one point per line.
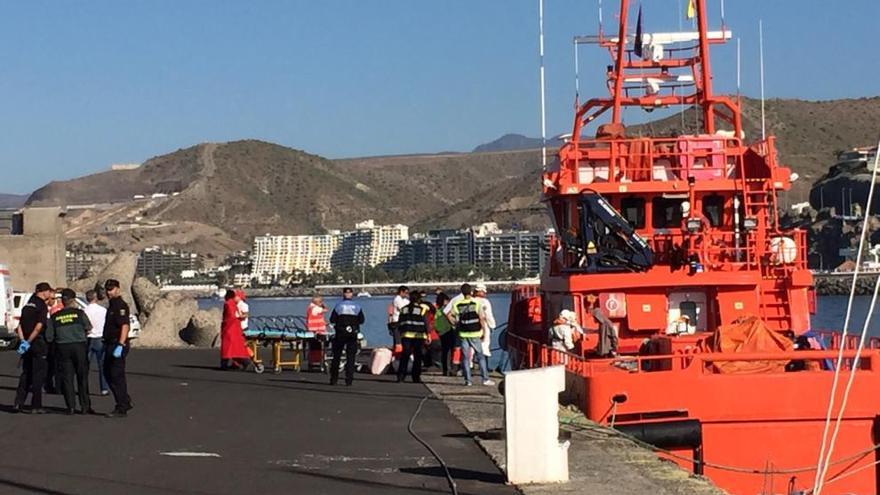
86 84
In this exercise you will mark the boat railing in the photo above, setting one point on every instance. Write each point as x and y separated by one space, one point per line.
527 353
647 159
717 250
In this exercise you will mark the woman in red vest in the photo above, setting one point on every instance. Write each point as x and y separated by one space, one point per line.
234 353
315 323
315 315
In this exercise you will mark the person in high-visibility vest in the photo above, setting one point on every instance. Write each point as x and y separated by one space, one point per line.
315 315
448 335
469 322
315 323
413 327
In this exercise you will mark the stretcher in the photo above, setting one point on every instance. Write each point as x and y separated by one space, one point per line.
280 333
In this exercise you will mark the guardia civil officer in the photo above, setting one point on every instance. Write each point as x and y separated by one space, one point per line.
116 348
67 332
413 326
33 349
346 318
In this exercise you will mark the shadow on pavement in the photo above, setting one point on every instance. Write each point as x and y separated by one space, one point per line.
457 474
31 488
390 486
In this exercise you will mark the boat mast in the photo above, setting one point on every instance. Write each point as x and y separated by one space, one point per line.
543 102
705 70
618 69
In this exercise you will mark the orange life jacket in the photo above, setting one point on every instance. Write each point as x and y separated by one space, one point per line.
315 322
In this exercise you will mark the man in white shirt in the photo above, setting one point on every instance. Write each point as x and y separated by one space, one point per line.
97 314
401 300
489 321
243 309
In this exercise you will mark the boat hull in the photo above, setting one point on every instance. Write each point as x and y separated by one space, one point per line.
760 432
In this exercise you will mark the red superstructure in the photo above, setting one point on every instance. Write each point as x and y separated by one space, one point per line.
678 237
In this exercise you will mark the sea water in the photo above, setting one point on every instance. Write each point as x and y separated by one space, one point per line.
829 315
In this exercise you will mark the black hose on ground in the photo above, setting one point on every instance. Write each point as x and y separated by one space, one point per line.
452 486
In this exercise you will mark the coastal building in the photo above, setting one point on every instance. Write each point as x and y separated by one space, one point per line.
276 255
483 245
369 245
80 263
155 261
33 246
517 249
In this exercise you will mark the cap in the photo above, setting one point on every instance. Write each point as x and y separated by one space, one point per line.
68 294
43 287
481 287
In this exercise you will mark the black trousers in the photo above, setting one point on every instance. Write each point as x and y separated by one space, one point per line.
114 372
34 367
394 332
73 363
350 345
411 347
50 384
448 343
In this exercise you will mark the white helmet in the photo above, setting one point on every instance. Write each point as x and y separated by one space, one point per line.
685 207
568 315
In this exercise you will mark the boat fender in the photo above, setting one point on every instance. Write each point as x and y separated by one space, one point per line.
680 434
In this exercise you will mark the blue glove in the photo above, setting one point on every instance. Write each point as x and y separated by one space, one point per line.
117 352
23 347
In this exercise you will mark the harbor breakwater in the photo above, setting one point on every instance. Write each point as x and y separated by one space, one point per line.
839 284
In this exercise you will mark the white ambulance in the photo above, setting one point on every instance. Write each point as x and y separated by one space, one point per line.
8 322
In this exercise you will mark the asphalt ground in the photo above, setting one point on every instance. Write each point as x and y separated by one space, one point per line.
266 434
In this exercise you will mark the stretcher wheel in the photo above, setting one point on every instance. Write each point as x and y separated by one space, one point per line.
259 368
277 370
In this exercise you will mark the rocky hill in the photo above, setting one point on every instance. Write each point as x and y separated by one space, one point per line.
512 142
216 196
12 200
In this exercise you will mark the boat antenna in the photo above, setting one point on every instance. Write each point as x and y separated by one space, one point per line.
577 84
761 50
723 24
543 102
738 69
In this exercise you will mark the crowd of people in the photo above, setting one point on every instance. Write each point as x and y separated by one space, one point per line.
449 333
58 340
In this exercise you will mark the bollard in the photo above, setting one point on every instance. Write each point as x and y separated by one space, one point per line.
531 426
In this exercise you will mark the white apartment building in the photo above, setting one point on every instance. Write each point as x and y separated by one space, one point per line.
369 245
277 254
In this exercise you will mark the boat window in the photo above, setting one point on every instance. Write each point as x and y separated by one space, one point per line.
666 213
713 209
689 309
633 210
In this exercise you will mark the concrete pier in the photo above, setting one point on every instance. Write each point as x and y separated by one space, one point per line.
195 429
600 462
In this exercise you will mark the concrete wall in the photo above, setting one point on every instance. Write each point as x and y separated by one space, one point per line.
39 254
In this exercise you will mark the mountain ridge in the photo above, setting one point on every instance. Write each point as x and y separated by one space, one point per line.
239 189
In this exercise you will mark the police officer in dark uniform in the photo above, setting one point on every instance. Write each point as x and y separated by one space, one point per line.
33 349
116 347
347 318
413 326
67 332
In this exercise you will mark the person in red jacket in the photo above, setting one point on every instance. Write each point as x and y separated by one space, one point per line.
234 353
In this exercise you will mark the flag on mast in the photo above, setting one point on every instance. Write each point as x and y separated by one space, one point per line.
692 9
638 48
